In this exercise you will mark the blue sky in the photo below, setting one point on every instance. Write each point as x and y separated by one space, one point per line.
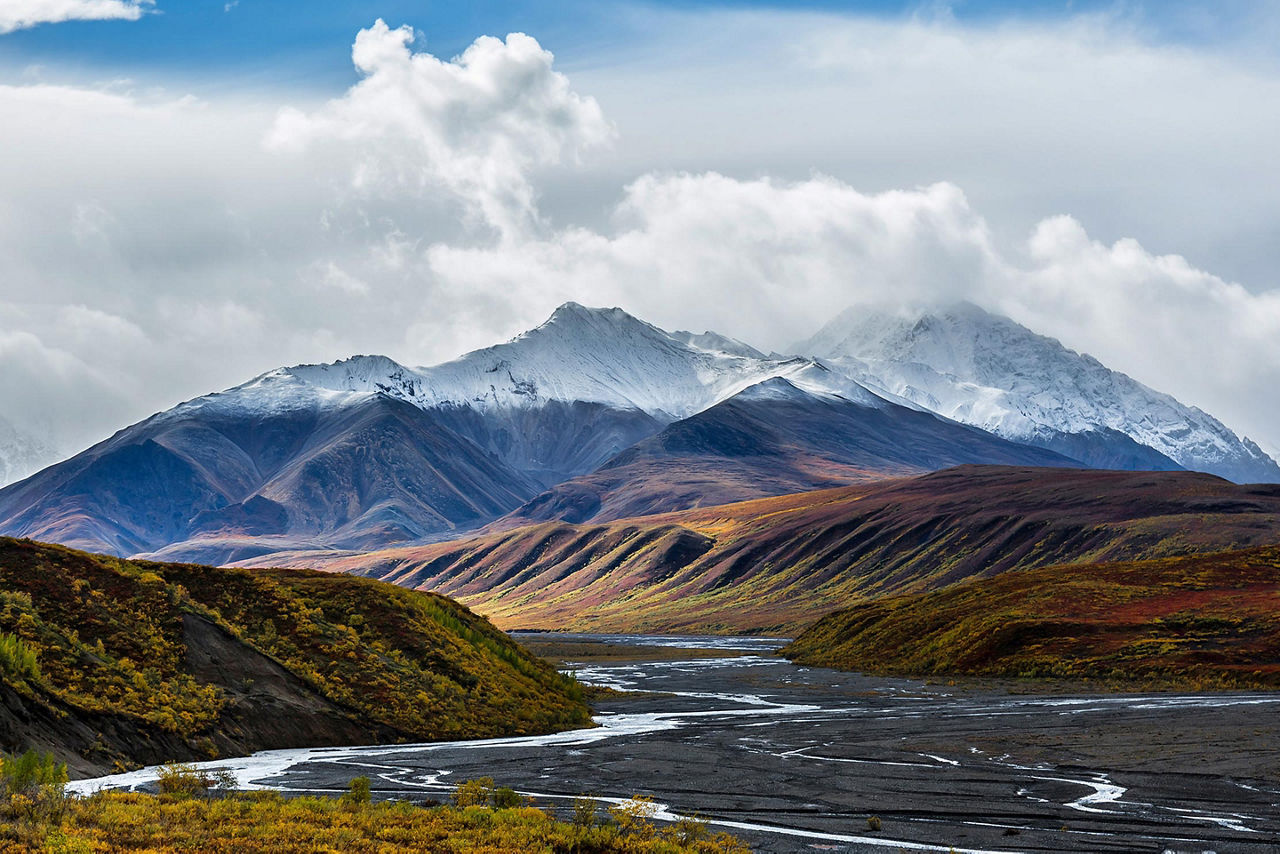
213 43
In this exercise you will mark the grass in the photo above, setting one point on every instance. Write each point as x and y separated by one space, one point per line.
1205 622
186 816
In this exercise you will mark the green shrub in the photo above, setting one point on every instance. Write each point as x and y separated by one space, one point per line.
505 798
585 812
358 791
17 660
691 830
33 785
187 781
474 793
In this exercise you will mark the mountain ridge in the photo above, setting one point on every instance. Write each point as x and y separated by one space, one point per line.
986 370
365 452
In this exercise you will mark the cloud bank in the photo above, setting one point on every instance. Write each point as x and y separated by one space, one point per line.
770 261
23 14
475 126
158 247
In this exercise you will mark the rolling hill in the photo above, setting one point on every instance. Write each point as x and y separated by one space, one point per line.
780 563
1193 621
109 662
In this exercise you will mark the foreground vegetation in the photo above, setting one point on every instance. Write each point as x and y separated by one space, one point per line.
182 661
1196 622
190 814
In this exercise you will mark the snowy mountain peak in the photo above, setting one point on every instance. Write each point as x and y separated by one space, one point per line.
361 374
578 355
718 343
984 369
773 389
574 320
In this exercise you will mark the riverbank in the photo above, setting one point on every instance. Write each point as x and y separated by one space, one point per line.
790 757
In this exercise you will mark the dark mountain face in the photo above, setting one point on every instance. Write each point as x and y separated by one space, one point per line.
377 472
554 441
761 444
1106 449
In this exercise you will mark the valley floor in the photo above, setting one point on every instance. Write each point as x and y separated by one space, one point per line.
796 759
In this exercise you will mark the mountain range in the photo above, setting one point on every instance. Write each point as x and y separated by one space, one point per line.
596 415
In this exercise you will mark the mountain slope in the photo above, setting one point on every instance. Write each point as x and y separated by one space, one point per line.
1204 620
988 371
143 662
777 564
770 439
366 452
356 469
592 415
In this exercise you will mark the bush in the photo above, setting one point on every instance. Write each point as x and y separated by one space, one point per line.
474 793
505 798
873 822
187 781
585 812
688 831
358 791
33 785
634 816
17 659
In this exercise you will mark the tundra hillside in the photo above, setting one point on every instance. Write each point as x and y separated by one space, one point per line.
1200 621
112 663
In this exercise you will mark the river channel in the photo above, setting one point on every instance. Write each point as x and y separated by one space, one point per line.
796 759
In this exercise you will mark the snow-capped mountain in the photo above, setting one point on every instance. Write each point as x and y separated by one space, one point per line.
580 355
988 371
554 402
596 412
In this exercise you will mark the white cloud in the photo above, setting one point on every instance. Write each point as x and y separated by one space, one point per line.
772 259
1171 144
21 14
154 249
769 261
475 126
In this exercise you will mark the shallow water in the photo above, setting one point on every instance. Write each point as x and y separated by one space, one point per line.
796 759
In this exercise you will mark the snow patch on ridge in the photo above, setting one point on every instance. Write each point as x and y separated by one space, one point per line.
988 371
593 355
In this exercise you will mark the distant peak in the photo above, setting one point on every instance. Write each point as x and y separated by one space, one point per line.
716 342
577 319
774 388
575 309
370 364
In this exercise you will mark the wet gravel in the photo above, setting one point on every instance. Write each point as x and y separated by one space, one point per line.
796 759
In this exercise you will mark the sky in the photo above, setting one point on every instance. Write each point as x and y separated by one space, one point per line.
194 193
